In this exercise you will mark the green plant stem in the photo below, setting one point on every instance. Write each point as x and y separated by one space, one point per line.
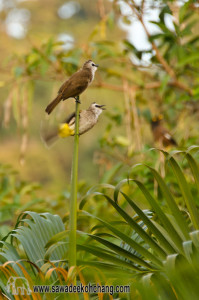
73 198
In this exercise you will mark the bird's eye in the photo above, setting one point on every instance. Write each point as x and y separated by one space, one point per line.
93 65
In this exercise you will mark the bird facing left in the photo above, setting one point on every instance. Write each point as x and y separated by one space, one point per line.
75 85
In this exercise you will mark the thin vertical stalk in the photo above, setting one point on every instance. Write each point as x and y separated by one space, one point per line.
73 198
136 120
128 116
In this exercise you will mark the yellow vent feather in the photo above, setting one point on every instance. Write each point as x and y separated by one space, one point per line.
64 130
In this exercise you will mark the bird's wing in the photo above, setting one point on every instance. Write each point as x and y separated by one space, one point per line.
69 118
76 84
167 136
62 87
65 84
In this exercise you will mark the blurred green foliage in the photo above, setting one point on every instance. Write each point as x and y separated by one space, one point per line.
135 83
133 88
154 251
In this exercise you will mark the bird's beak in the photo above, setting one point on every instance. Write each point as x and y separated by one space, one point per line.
96 66
102 107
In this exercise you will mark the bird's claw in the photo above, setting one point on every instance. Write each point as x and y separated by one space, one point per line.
77 100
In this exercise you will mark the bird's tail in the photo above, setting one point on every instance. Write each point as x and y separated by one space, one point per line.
50 139
53 104
48 133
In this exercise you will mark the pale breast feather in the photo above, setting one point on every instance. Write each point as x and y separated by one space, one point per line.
167 136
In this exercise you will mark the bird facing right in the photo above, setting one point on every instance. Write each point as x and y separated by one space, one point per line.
75 85
87 119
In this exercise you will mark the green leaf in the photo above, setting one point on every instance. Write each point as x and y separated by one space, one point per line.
107 177
172 206
122 252
41 228
163 242
138 229
194 168
125 238
165 221
185 12
99 252
186 193
188 59
93 192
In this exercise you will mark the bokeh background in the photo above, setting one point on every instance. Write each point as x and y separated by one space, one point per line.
148 57
141 232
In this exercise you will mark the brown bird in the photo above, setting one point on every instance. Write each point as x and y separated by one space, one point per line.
75 85
160 133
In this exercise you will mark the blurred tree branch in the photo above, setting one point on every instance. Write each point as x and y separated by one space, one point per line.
170 71
160 58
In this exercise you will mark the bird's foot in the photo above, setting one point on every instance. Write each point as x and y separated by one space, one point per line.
77 99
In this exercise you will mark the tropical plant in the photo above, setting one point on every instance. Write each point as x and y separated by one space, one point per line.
160 244
16 196
134 232
154 250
